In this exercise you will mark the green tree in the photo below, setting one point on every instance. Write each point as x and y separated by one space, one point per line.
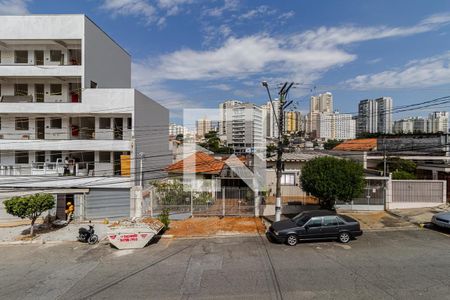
402 175
212 143
330 179
179 137
395 164
30 207
330 144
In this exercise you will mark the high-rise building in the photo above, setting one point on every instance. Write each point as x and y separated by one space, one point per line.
345 126
375 116
203 126
245 128
223 114
322 103
292 122
384 107
438 122
273 111
335 126
71 125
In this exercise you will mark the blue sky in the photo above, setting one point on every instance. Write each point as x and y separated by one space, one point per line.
193 53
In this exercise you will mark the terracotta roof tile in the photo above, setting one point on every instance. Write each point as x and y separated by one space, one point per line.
199 162
357 145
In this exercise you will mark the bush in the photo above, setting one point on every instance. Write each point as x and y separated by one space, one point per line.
403 175
30 207
164 218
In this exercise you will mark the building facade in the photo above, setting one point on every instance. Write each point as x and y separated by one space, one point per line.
438 122
245 128
70 122
322 103
292 122
375 116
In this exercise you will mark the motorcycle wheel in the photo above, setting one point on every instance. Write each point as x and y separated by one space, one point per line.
93 239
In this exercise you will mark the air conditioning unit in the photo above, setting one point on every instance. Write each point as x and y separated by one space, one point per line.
1 136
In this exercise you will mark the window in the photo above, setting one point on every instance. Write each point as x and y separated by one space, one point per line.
21 89
330 221
288 179
315 222
104 123
21 57
56 123
104 157
22 123
55 89
56 55
21 157
129 123
340 222
55 155
39 156
93 84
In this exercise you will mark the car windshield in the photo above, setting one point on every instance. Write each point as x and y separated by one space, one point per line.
301 219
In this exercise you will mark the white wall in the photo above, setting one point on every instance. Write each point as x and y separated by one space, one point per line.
151 132
106 63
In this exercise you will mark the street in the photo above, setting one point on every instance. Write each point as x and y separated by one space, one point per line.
406 264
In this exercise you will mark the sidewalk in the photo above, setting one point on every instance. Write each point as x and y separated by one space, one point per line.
378 220
419 216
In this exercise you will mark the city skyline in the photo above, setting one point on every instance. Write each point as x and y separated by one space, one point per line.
353 53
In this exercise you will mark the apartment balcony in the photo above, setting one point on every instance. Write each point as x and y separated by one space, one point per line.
65 145
25 70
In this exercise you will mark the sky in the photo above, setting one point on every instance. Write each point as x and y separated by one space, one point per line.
198 53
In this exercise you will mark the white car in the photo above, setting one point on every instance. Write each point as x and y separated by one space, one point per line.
441 219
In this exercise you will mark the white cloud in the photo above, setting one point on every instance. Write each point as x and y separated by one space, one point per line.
228 5
303 56
221 86
287 15
156 12
426 72
14 7
262 10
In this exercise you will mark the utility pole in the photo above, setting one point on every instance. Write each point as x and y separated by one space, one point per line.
141 171
384 157
279 166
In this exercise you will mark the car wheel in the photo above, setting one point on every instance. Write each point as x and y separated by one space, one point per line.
292 240
344 237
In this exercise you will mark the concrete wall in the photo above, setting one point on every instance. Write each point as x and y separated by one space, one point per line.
106 63
151 132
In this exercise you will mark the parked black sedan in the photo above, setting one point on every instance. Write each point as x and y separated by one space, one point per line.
313 225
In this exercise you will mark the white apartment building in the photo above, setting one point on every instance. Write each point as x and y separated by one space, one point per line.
71 124
272 118
375 116
223 115
245 128
335 126
438 122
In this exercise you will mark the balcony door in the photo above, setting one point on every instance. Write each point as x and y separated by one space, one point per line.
118 128
39 92
39 57
40 128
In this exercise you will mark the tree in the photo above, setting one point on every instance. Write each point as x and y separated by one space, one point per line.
396 164
30 207
212 143
179 137
330 179
330 144
402 175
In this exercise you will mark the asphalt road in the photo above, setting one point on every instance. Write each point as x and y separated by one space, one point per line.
413 264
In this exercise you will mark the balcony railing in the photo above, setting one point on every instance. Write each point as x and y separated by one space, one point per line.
49 169
72 98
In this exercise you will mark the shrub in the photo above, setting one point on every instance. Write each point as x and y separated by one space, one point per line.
164 218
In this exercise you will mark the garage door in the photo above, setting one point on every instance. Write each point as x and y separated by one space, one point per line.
107 203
